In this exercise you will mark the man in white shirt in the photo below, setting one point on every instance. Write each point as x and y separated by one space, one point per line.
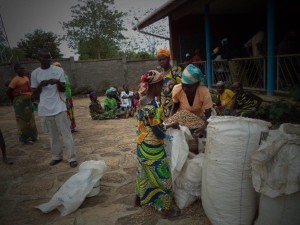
48 82
126 98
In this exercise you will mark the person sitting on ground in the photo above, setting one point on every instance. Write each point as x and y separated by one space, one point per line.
191 95
244 101
3 150
153 176
96 110
117 96
111 105
126 98
224 99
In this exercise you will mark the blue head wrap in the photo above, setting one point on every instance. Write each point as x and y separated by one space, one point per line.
192 74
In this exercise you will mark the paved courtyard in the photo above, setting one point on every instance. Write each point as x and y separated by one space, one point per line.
30 181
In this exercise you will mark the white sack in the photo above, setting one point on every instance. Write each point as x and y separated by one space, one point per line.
187 186
228 196
276 164
73 192
177 148
182 198
283 210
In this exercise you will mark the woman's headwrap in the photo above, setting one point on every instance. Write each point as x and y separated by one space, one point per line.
151 77
163 51
192 74
220 84
110 90
93 94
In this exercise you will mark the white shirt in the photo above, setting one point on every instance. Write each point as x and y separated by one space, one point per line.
52 101
126 101
258 38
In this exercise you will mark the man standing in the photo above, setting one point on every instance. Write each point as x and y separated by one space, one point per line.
48 82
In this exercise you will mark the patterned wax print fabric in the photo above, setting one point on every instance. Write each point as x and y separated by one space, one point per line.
202 100
23 109
110 105
245 104
25 118
171 78
99 116
153 178
69 102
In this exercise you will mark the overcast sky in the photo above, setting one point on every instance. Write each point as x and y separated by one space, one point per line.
24 16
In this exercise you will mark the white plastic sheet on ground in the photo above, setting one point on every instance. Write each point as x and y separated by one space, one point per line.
276 175
73 192
228 196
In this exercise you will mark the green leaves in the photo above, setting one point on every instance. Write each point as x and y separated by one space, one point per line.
95 29
40 39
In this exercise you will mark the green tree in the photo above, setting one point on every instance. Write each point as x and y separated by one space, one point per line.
40 39
147 39
95 29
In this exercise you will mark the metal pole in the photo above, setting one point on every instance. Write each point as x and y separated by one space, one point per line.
208 46
271 48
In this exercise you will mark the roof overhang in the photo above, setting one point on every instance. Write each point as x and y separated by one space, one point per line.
197 6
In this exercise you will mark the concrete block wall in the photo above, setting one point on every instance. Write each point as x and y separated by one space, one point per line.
97 74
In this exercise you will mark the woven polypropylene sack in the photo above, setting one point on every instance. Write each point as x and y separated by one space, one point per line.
228 196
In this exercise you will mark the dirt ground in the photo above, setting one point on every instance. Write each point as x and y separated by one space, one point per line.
30 181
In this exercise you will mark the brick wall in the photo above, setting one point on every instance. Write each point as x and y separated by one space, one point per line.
97 74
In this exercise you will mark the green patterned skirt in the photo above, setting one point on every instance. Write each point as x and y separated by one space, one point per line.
25 118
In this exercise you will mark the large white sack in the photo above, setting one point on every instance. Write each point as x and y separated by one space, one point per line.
187 186
228 196
283 210
182 198
176 144
276 164
190 177
73 192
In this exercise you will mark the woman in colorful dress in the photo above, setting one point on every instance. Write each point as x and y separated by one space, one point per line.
96 110
69 100
172 76
111 105
153 181
19 92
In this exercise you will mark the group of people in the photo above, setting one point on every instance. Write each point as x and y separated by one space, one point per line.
115 105
160 95
236 102
50 86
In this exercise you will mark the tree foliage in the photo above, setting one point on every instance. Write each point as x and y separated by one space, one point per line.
40 39
95 29
144 42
